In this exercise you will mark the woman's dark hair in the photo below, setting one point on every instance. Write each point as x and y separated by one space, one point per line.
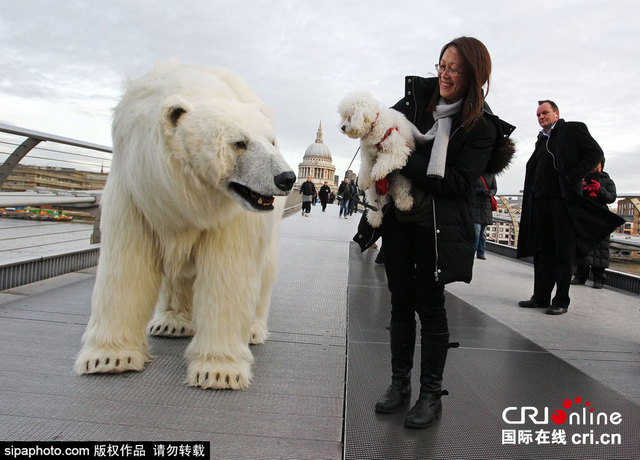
478 63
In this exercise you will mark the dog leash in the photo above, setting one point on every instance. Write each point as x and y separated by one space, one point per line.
354 157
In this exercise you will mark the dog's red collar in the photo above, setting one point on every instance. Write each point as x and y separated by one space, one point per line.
387 134
374 121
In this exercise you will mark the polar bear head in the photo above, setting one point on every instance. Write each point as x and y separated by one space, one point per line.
358 113
187 135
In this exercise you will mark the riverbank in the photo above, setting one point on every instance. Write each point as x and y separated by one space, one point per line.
625 267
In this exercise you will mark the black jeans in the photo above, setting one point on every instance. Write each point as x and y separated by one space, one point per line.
555 251
409 260
582 273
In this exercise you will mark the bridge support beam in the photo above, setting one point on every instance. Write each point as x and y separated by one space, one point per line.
18 154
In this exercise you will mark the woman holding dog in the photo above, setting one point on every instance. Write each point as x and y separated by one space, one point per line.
432 244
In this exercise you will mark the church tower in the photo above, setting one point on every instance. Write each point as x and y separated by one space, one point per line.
318 164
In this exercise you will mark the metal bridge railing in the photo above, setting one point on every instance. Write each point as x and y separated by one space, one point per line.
18 144
34 138
40 268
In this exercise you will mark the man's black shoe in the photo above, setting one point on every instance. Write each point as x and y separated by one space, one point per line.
576 280
598 285
531 303
555 310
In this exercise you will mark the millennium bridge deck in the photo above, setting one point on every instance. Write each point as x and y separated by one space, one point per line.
326 361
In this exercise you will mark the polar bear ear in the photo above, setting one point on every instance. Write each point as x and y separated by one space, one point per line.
174 110
174 114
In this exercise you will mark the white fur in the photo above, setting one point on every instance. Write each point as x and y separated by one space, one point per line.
364 118
171 224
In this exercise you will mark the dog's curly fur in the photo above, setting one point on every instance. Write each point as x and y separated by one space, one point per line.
386 141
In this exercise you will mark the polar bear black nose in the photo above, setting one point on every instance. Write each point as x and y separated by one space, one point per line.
284 181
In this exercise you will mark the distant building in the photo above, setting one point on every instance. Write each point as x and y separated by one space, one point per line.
27 177
318 164
503 232
628 210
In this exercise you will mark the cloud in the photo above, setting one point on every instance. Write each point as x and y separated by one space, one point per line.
303 57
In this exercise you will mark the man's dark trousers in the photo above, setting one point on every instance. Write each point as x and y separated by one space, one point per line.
555 251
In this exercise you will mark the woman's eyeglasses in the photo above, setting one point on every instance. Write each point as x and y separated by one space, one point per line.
447 70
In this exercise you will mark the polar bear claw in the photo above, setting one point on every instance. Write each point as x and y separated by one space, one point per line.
110 361
219 374
259 333
168 324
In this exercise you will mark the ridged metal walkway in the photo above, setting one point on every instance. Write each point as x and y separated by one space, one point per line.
497 369
317 377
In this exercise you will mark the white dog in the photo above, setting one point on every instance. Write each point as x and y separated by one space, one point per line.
386 141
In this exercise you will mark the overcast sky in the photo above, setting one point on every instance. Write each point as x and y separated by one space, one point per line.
64 62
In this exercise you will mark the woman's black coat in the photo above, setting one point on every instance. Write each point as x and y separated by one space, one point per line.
468 155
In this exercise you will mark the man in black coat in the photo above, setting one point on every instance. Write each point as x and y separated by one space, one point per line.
323 194
555 219
308 191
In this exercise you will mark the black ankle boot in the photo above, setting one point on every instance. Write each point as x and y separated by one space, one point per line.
392 399
428 408
402 340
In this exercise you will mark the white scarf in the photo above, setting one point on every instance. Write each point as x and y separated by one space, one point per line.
440 132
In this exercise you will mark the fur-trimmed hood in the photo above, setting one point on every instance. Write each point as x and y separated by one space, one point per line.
504 148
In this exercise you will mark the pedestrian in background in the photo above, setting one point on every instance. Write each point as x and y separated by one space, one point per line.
598 187
323 194
355 193
308 191
486 188
553 207
345 195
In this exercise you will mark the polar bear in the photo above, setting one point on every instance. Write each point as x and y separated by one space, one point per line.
189 226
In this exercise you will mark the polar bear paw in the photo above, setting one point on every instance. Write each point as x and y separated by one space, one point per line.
219 374
258 333
169 324
109 360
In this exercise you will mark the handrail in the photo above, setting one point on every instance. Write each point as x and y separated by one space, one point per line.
49 197
10 129
33 138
